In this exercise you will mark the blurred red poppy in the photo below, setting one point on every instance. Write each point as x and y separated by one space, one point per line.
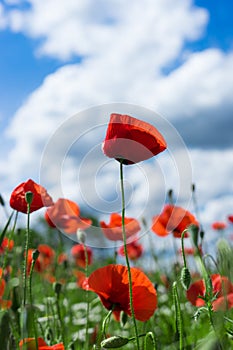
113 230
81 278
191 251
78 252
2 286
40 197
47 254
6 244
131 139
173 219
44 260
222 288
65 215
62 258
134 250
218 225
30 344
230 218
111 284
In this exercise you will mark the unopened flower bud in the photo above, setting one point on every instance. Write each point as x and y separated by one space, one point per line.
29 197
185 278
35 254
81 236
123 318
114 342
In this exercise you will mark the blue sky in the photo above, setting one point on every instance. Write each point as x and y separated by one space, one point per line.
173 57
22 71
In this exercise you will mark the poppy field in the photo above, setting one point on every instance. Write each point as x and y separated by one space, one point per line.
59 294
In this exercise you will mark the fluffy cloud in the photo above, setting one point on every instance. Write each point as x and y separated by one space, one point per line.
97 27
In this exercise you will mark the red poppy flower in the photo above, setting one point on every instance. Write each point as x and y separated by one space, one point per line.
230 218
134 250
173 219
65 215
31 344
218 225
222 288
131 139
78 252
113 230
40 197
112 286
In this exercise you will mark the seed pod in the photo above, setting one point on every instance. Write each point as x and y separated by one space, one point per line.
114 342
29 197
185 278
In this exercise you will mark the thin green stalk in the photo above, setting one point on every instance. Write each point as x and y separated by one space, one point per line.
182 248
103 329
179 320
150 336
31 300
28 198
57 288
126 254
87 299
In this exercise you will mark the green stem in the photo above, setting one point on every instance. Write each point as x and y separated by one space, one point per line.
103 329
87 299
59 313
26 256
179 320
182 247
126 254
151 336
31 303
25 271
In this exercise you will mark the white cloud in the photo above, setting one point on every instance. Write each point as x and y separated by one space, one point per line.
97 27
203 82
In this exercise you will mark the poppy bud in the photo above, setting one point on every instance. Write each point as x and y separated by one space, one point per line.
202 234
185 278
81 236
29 197
35 254
114 342
123 318
57 287
170 194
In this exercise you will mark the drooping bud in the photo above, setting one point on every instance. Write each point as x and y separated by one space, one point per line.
114 342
